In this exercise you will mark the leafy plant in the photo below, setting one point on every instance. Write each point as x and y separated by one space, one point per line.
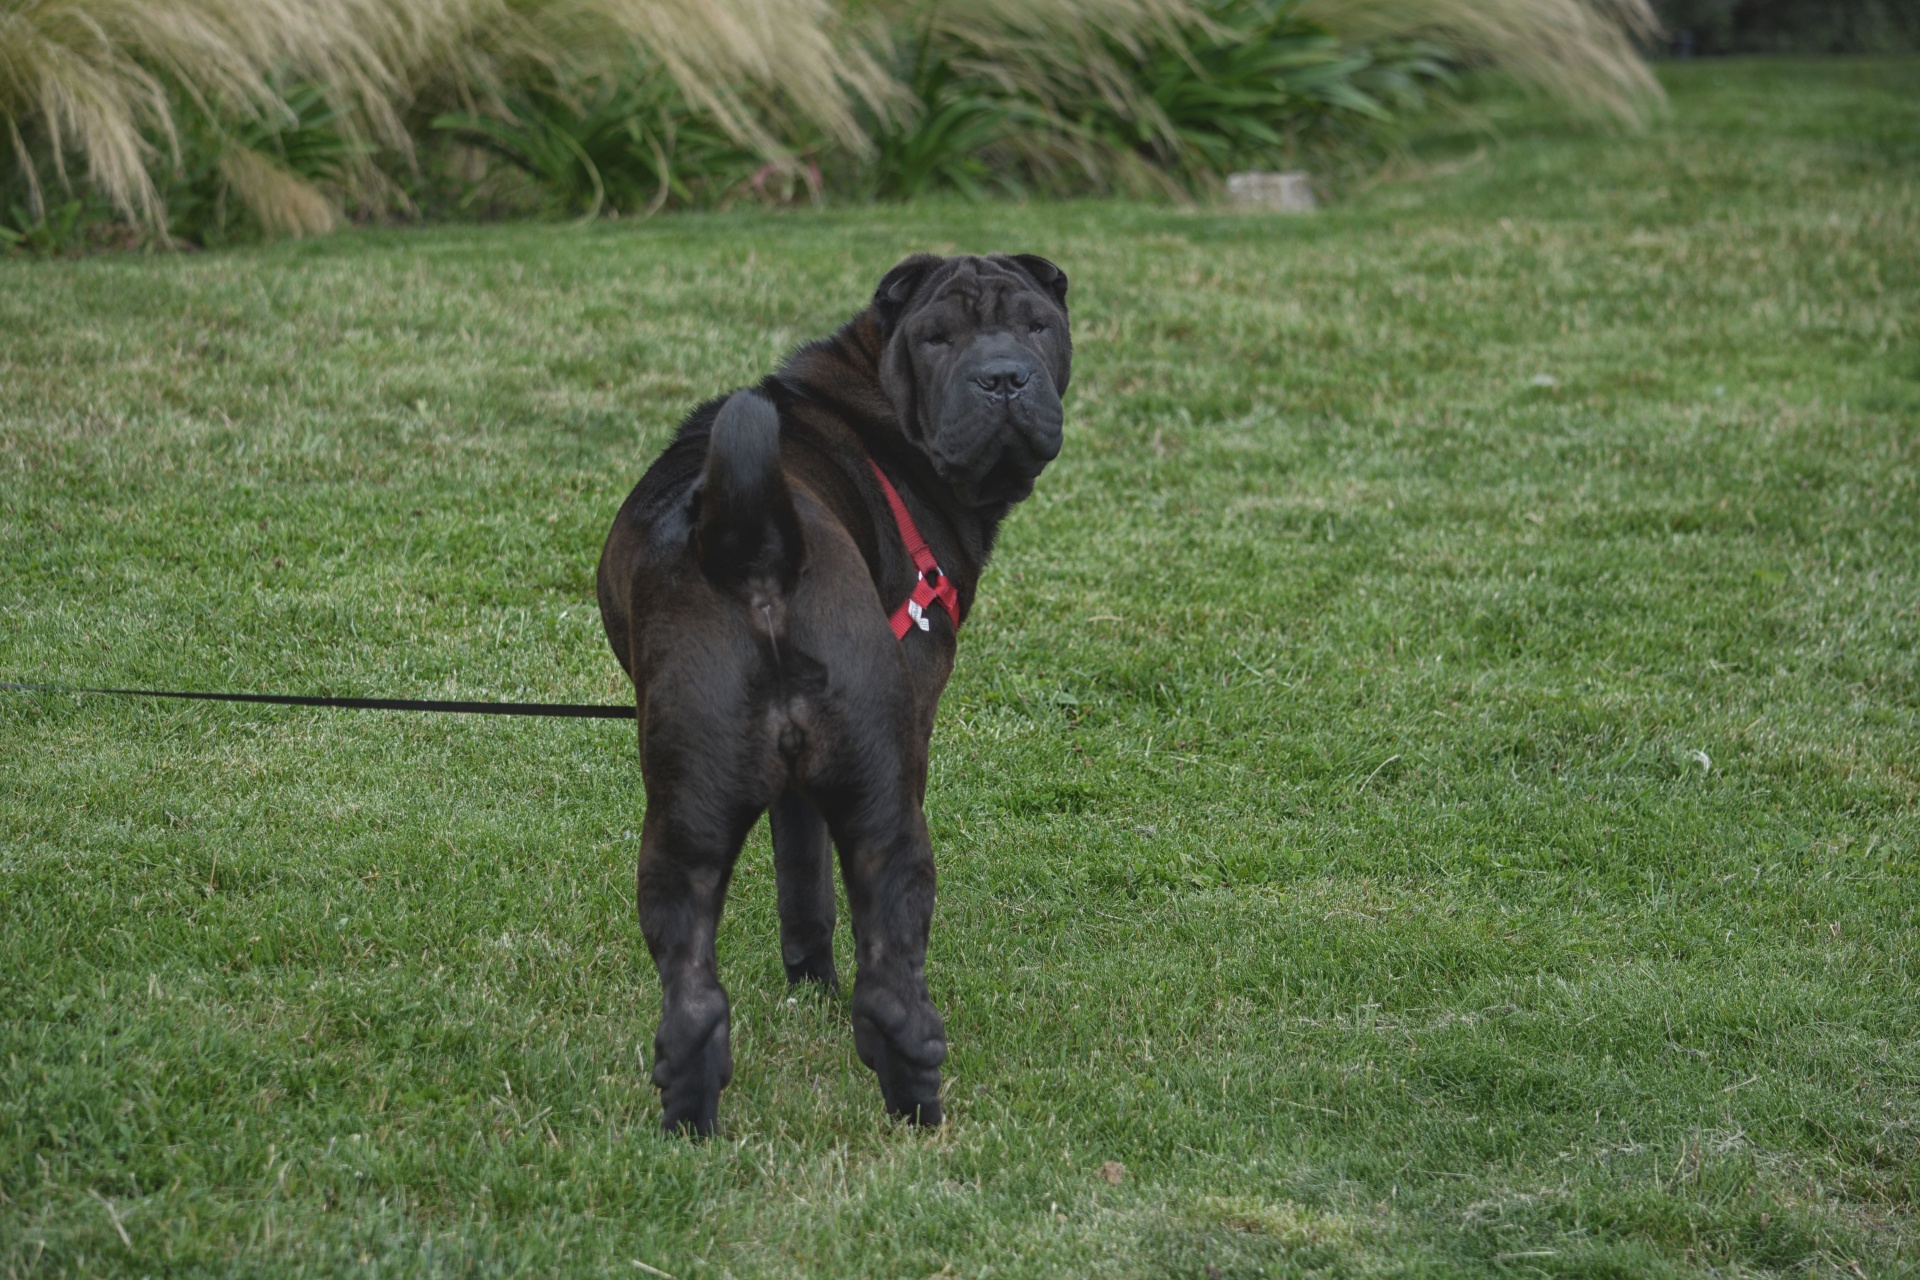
945 140
111 82
626 146
1245 82
1244 86
206 117
1583 52
267 173
117 84
55 231
313 139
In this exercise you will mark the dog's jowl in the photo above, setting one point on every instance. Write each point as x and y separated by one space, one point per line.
785 586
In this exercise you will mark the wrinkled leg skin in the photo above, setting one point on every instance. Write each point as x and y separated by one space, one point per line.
887 862
803 872
682 881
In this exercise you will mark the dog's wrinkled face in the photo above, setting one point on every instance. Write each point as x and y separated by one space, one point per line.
977 354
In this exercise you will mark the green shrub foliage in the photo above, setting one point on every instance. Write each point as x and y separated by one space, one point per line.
1792 26
628 146
1167 106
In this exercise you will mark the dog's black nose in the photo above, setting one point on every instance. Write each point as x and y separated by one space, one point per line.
1002 377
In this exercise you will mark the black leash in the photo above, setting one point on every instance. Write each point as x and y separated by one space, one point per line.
564 710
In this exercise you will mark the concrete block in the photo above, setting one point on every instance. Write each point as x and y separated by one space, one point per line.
1290 192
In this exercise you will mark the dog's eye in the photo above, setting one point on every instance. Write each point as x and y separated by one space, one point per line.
935 339
1037 327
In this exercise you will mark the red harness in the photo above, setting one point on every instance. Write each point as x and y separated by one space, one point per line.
933 585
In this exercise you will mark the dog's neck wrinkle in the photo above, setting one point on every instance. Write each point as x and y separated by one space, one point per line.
842 372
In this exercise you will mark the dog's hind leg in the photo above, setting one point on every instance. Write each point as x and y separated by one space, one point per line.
888 864
803 869
682 881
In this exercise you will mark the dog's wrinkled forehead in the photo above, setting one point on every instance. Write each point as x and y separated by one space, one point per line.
993 292
990 293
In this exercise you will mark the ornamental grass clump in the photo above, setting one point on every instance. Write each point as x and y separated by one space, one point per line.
1584 52
106 82
116 85
185 117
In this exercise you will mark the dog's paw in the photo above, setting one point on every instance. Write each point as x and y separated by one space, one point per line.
904 1042
813 968
692 1063
915 1100
911 1091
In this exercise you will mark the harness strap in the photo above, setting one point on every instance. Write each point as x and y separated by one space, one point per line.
933 585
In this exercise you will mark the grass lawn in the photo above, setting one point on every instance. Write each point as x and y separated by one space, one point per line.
1432 785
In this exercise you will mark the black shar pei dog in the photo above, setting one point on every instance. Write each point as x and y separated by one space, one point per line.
785 586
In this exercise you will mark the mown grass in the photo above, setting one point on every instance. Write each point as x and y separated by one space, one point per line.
1317 802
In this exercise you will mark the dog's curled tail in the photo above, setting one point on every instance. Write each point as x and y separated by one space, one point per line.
747 527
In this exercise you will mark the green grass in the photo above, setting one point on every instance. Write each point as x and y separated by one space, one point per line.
1320 823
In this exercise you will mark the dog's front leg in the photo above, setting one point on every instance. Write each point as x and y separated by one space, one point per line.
682 881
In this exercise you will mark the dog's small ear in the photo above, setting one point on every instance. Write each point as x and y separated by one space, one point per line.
1045 274
898 285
